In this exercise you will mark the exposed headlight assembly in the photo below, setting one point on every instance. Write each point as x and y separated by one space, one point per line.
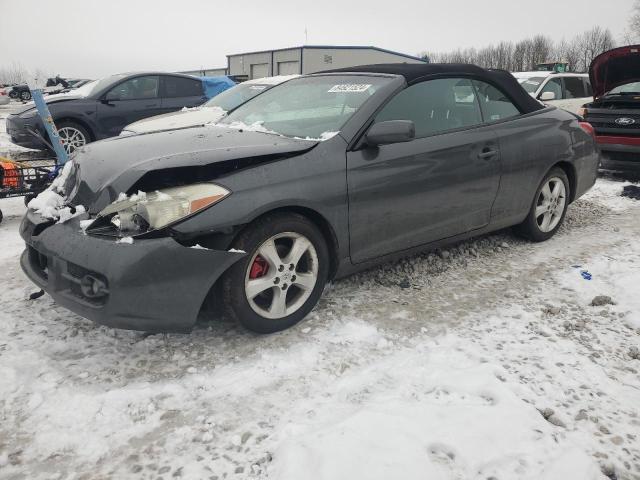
145 212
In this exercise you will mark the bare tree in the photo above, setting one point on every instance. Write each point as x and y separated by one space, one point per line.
592 43
15 73
569 52
633 33
527 53
541 48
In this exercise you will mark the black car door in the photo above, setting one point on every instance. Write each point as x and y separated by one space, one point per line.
128 102
440 184
178 92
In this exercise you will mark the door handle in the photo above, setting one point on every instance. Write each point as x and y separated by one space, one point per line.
487 153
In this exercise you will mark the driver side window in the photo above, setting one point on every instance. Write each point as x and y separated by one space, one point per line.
138 88
435 106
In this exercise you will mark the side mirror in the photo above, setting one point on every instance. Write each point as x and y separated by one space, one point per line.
547 96
392 131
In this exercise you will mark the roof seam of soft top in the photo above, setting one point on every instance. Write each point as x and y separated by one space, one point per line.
414 72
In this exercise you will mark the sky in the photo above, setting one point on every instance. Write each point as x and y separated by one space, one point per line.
94 38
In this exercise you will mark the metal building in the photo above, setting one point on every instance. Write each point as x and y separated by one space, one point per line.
207 72
309 59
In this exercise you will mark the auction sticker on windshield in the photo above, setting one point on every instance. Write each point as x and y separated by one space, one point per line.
350 88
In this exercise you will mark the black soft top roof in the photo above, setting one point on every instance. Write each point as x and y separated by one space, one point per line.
413 72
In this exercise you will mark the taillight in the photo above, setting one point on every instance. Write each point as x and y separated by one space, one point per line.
587 127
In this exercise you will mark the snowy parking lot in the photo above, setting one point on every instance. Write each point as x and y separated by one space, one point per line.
494 359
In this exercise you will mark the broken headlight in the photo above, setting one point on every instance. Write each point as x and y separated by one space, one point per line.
146 211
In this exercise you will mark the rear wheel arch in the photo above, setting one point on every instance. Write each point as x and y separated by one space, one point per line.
570 170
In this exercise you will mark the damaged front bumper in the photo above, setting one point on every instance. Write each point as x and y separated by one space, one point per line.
155 285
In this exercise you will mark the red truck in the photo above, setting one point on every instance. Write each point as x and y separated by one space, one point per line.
615 111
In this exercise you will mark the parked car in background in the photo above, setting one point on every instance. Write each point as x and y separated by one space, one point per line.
20 92
212 111
100 109
4 96
615 112
316 178
59 85
569 91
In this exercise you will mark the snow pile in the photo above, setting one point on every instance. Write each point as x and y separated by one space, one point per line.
84 224
125 241
51 202
134 197
327 135
431 411
259 127
611 275
254 127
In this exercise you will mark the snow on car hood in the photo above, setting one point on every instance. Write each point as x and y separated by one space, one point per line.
192 117
614 68
113 166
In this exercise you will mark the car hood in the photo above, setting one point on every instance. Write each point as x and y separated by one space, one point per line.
148 162
49 99
168 121
614 68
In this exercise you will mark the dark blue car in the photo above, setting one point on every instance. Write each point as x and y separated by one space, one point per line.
101 109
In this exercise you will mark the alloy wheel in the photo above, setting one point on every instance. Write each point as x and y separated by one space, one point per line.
71 138
281 275
550 204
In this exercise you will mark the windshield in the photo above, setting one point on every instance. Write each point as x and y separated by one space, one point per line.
531 84
98 85
85 89
231 98
307 107
627 88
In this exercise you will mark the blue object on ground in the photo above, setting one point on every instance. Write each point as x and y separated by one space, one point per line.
585 274
214 85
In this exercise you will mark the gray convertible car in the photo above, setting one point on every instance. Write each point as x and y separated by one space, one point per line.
314 179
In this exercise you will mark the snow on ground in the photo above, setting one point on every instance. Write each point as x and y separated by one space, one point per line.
5 141
481 361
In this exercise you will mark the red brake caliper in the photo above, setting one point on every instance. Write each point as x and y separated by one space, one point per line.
259 268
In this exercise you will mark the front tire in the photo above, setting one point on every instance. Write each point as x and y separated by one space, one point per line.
548 208
73 136
282 276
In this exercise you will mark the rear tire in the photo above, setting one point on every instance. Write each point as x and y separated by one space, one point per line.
282 276
26 96
548 208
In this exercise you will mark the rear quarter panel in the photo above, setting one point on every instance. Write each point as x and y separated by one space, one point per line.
530 146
